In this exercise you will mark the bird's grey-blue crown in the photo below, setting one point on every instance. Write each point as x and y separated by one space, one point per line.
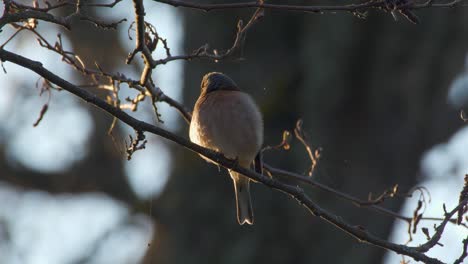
215 81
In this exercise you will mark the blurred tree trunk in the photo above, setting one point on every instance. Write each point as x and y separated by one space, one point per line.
371 94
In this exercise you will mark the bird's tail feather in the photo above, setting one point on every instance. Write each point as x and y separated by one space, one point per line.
243 203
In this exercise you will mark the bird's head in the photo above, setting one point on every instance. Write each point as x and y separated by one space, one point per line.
216 81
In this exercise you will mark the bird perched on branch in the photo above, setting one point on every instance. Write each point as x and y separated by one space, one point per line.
227 120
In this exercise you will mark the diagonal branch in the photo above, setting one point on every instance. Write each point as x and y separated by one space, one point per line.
297 193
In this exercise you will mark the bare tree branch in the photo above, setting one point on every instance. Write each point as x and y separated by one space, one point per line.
381 4
345 196
357 9
440 229
464 253
15 12
295 192
25 18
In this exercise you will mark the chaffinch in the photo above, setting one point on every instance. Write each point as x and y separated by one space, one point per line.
227 120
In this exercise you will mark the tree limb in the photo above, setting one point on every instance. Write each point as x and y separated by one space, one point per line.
297 193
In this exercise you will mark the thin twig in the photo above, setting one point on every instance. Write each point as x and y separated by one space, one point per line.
440 229
464 253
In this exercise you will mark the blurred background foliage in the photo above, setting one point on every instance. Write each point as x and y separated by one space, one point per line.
372 94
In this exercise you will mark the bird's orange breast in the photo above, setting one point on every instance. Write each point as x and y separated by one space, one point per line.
228 122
